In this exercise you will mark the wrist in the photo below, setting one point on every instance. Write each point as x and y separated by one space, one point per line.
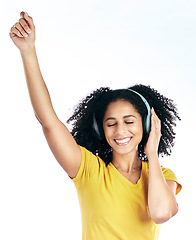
28 51
152 156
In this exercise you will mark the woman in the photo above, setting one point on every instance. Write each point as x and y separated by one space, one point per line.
112 153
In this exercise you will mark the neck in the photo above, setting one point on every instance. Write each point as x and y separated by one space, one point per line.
127 162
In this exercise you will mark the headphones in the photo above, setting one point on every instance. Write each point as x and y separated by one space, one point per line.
146 120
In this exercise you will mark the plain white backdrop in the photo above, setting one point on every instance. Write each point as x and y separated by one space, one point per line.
83 45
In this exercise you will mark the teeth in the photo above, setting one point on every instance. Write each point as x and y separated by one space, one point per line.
124 140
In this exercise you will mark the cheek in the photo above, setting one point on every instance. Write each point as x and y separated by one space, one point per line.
107 132
140 130
137 129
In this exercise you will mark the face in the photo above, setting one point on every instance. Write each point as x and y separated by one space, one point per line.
122 126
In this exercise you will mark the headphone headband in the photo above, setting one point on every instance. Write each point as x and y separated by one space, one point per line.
148 117
146 121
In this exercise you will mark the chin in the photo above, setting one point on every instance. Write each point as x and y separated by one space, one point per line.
124 150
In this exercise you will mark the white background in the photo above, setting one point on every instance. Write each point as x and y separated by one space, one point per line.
83 45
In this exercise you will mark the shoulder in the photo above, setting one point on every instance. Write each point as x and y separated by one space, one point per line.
169 175
90 165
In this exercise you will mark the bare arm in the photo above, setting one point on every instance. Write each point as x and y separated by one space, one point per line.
61 142
161 193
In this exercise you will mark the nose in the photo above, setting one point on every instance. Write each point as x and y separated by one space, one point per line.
121 129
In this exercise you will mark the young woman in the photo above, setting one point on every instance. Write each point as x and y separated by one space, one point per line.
112 152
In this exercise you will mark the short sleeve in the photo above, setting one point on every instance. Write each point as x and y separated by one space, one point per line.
89 166
169 175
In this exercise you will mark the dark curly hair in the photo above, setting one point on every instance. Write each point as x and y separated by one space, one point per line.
96 103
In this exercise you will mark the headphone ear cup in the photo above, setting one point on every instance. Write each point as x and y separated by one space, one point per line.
97 128
144 125
147 124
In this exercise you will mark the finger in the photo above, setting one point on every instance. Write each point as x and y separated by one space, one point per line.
28 19
153 113
19 27
25 25
156 122
22 14
156 119
14 32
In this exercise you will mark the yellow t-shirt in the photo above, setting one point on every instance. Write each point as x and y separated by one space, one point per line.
113 208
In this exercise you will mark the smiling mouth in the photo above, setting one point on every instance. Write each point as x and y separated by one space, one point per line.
123 141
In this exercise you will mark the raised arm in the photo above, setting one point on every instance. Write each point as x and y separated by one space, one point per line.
162 203
59 139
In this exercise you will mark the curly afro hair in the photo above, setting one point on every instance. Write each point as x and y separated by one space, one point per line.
95 106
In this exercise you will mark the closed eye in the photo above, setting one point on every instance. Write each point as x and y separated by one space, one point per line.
111 125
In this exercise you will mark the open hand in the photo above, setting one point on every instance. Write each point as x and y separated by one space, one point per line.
152 144
23 33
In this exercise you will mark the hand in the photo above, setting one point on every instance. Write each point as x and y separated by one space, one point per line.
23 33
152 144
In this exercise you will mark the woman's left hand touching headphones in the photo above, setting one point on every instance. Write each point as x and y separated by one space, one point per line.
151 147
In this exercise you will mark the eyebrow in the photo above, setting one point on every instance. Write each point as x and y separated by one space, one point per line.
126 116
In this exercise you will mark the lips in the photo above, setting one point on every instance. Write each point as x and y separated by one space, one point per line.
123 141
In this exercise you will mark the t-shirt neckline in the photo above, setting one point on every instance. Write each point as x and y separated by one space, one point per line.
123 178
